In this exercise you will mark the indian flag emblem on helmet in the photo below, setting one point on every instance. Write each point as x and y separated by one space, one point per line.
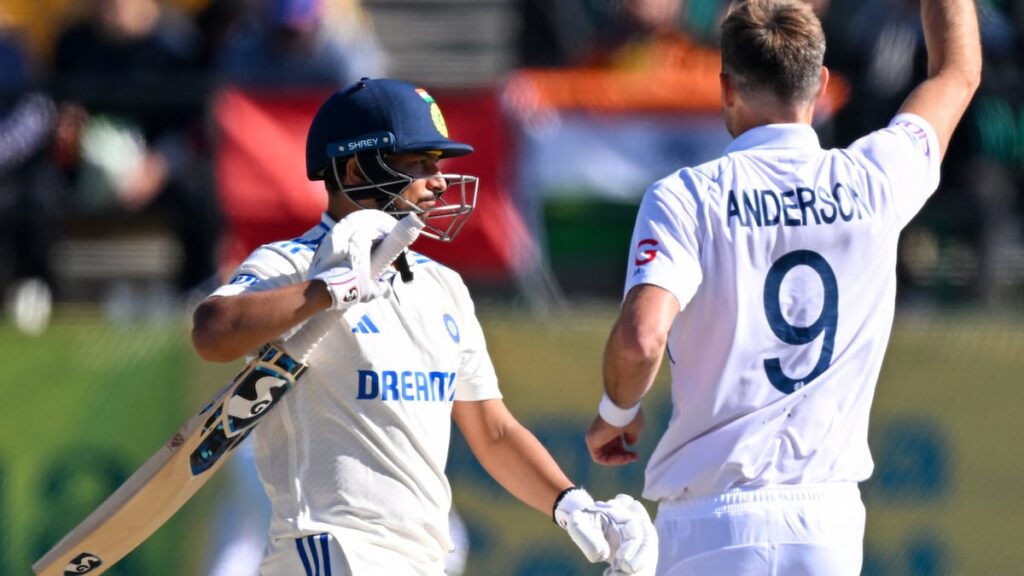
435 112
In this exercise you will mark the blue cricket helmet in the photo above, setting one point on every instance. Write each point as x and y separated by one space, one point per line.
383 115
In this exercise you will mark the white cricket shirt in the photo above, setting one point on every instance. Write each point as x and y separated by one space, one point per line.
783 258
358 447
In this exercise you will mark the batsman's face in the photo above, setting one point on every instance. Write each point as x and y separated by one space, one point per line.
427 185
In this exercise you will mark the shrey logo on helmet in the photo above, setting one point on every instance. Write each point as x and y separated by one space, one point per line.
377 118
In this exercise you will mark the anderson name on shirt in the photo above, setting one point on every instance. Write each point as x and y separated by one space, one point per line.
800 206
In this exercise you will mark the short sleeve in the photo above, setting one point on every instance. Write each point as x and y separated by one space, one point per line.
907 153
665 249
476 379
265 269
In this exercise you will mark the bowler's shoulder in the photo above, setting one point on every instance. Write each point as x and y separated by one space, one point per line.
687 185
906 134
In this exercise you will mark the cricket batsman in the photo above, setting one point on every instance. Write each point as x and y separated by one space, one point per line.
353 460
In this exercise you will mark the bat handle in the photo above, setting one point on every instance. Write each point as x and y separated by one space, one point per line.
391 247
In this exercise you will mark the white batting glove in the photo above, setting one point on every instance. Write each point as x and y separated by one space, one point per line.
347 287
618 531
342 262
634 540
336 248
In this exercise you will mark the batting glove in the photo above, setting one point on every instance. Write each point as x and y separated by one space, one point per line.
342 261
618 531
336 248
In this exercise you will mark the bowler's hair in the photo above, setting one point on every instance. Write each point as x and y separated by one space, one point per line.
773 46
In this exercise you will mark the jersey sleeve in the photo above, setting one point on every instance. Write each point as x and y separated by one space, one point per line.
265 269
907 153
665 249
476 379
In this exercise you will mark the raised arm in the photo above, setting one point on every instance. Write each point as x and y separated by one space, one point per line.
344 272
954 66
227 328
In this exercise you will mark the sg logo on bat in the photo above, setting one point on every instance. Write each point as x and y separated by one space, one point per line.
255 391
82 564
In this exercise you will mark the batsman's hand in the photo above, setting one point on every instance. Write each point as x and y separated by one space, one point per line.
342 261
618 531
609 445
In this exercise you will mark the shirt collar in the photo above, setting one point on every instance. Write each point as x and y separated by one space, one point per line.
772 136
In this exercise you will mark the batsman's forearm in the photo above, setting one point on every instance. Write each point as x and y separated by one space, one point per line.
523 467
225 329
510 453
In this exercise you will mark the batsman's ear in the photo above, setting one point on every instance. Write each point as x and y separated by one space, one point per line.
347 170
353 174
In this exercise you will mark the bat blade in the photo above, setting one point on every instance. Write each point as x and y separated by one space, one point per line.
162 485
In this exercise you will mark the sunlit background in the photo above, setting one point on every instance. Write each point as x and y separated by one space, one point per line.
146 147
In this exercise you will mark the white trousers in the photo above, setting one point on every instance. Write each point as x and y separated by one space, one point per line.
322 555
776 531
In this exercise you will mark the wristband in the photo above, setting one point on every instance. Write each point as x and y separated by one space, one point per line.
612 414
561 496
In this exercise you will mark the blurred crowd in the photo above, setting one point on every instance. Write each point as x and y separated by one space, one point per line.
109 121
966 246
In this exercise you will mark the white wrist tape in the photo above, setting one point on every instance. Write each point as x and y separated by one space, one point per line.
614 415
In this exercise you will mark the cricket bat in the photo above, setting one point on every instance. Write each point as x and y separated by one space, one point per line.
197 450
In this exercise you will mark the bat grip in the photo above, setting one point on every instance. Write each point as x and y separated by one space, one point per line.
391 247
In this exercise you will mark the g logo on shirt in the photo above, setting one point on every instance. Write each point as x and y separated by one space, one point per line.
644 256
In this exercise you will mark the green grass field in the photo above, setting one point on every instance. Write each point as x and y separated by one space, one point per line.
87 402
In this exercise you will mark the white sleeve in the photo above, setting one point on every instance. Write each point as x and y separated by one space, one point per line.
665 249
907 153
265 269
476 379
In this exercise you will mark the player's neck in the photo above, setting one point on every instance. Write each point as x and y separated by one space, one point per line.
744 118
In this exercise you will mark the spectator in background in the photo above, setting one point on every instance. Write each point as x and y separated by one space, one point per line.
218 22
293 45
625 35
554 34
647 35
29 208
132 94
